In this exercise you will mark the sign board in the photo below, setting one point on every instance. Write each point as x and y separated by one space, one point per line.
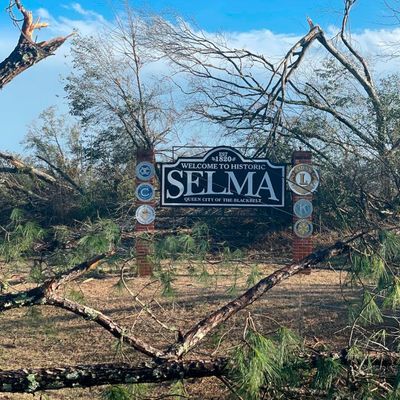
222 178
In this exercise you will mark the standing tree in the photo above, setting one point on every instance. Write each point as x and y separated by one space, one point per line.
115 93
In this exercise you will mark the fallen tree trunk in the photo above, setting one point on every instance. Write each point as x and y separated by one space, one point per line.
85 376
35 380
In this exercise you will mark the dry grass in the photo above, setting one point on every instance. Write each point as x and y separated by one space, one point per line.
312 305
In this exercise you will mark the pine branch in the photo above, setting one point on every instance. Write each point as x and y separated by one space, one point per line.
38 295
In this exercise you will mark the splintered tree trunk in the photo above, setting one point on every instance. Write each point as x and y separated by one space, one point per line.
25 54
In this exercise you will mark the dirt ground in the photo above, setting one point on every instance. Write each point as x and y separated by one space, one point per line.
312 305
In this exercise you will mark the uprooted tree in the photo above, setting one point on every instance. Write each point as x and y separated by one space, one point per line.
351 136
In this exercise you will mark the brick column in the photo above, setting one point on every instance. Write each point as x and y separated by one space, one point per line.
143 246
302 247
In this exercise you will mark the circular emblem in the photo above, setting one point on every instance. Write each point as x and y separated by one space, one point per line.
303 228
145 214
145 192
303 179
145 170
303 208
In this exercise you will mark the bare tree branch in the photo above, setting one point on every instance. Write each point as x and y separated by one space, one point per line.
106 322
63 174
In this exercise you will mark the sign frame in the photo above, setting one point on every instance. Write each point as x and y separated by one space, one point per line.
279 167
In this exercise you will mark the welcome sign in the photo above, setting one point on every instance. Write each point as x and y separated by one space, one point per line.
222 178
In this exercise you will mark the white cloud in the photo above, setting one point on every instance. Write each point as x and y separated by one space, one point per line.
262 42
377 46
43 13
79 9
87 13
43 79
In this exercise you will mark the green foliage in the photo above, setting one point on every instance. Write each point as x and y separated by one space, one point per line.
328 369
177 248
392 300
181 246
204 276
21 237
370 312
374 267
76 295
265 362
102 236
166 278
254 276
177 391
117 392
36 274
125 392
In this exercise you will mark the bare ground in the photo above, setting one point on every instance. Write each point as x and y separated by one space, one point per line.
312 305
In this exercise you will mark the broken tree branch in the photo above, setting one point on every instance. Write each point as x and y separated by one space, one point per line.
47 294
106 322
202 328
37 295
63 174
23 168
27 52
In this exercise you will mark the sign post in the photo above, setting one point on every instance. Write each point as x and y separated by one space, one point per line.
303 180
145 213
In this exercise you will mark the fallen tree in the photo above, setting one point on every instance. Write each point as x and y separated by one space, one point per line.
165 364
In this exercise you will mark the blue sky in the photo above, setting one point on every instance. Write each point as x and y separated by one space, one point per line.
281 16
40 87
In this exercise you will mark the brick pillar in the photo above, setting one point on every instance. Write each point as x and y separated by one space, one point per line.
143 246
302 247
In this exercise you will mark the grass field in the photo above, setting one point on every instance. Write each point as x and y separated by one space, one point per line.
312 305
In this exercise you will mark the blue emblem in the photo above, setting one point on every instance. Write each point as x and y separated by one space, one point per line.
145 171
145 192
303 208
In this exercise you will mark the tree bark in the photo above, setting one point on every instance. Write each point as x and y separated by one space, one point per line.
84 376
34 380
27 52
